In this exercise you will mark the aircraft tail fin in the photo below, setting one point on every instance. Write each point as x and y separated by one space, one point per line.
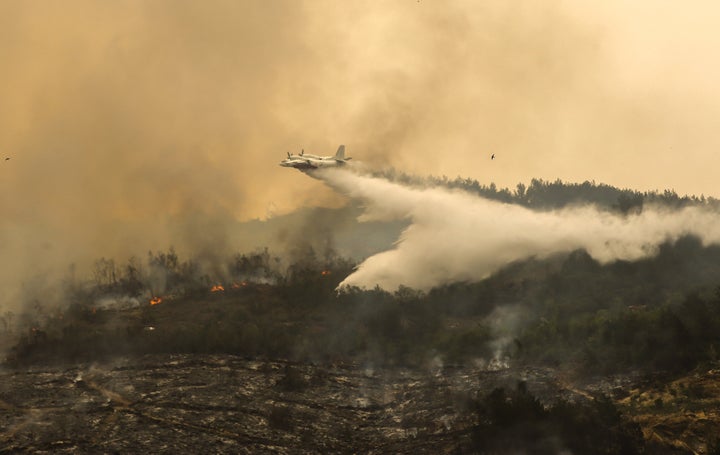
340 154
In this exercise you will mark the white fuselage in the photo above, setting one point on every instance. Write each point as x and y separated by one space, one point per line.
307 161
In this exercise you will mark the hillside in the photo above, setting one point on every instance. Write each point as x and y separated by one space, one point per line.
643 335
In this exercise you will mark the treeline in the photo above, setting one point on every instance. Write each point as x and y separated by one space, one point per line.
659 313
165 273
546 195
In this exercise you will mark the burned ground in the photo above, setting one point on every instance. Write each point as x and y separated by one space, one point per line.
227 404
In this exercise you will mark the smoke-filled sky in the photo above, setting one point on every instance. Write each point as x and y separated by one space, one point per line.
135 124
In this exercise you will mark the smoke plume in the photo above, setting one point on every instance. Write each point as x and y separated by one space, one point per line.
456 236
139 125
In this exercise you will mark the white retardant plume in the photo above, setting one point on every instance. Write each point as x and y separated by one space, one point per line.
457 236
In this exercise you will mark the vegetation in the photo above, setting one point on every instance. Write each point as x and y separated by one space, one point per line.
660 313
516 422
546 195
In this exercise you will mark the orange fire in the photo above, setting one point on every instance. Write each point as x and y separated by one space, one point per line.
216 288
325 272
155 300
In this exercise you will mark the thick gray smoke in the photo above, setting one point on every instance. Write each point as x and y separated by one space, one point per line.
457 236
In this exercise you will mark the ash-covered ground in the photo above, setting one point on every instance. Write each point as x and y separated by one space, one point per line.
226 404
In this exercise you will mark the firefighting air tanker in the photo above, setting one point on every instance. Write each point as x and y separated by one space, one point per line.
305 161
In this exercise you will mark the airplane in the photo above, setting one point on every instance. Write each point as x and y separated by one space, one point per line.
305 161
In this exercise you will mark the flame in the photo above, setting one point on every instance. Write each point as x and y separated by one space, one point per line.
216 288
325 272
155 300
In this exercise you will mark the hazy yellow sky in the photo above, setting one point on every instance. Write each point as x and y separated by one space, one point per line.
129 121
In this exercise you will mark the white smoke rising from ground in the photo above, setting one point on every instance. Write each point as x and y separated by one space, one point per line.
457 236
